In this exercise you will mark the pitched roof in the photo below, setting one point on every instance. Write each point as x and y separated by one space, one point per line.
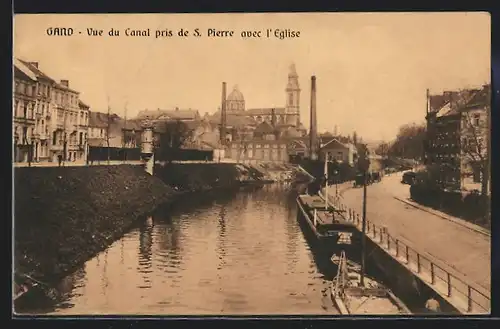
264 128
159 114
21 71
100 119
480 98
35 70
82 104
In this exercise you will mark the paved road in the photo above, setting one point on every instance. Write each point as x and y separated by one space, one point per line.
467 251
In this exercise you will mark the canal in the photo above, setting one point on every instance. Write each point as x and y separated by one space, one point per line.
231 254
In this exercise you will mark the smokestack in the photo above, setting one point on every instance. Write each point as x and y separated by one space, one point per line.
313 134
223 116
428 109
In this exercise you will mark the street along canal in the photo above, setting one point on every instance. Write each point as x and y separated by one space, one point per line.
232 254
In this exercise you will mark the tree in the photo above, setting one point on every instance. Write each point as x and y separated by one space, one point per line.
382 149
474 146
354 138
172 136
409 142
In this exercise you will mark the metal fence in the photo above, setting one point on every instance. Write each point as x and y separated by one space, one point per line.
467 297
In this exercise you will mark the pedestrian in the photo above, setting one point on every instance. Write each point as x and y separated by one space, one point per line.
59 159
432 305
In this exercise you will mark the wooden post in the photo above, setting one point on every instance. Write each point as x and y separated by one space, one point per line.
448 277
433 279
381 236
397 248
407 255
418 263
469 299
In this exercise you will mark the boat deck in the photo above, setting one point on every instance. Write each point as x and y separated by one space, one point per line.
372 298
325 216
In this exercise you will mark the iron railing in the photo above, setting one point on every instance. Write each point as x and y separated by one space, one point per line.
466 297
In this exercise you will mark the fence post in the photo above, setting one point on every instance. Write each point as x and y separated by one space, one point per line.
407 255
448 277
469 299
397 248
381 236
418 263
433 279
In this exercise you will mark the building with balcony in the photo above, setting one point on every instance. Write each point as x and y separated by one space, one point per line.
24 107
56 121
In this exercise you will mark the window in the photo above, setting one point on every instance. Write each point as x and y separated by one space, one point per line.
54 138
290 99
477 120
25 111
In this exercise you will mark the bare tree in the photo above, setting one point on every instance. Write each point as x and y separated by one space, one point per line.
382 149
173 135
474 146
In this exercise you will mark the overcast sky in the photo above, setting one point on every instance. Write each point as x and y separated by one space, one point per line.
372 69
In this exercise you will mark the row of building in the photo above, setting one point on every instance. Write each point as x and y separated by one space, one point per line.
52 122
458 137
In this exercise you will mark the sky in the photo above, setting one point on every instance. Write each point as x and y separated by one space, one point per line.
372 69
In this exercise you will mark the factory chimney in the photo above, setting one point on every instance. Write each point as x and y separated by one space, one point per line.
313 133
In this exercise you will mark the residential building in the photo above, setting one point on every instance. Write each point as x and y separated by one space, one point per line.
54 120
334 150
24 107
100 124
457 137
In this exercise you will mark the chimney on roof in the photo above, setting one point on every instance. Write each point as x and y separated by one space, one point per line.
35 64
65 83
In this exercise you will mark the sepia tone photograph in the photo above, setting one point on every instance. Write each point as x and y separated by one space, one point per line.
332 164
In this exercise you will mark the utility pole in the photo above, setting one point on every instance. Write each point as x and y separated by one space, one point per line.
364 165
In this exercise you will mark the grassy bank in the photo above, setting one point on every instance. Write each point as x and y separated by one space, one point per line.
64 216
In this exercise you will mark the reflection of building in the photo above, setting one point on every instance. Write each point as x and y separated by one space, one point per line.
48 116
458 135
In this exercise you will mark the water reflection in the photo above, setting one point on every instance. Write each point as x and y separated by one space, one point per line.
145 252
236 253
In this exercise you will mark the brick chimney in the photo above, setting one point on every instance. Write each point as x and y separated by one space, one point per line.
65 83
35 64
313 135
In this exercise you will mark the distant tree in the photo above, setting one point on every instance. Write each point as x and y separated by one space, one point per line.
382 149
354 138
172 136
409 142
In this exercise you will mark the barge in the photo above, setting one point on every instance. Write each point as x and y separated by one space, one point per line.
325 221
351 297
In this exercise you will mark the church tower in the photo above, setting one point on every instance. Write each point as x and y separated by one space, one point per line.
292 109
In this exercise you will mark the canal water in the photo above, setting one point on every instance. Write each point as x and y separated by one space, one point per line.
236 253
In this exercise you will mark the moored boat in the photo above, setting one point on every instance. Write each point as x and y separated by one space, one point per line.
325 221
351 297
